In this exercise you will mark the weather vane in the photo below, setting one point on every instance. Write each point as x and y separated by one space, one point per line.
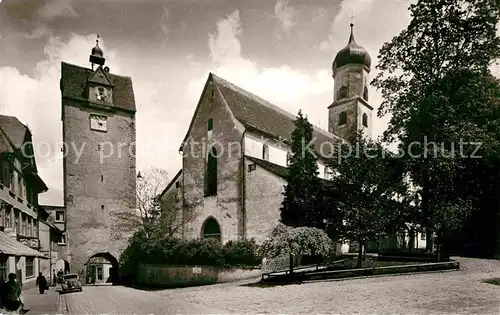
352 18
97 40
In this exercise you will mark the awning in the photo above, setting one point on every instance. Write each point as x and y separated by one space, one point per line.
10 246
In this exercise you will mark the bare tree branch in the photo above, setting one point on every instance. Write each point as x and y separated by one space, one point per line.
156 215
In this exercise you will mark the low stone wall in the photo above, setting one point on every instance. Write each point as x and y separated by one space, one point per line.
362 272
162 276
236 274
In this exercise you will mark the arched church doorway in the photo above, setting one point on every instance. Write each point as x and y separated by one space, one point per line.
211 229
100 269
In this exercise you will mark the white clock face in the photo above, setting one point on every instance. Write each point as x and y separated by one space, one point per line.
98 123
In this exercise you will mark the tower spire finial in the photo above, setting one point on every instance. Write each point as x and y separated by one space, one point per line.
351 38
97 56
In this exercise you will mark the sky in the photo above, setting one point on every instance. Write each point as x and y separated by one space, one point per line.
280 50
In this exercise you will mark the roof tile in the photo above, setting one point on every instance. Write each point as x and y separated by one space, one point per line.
74 83
14 129
253 111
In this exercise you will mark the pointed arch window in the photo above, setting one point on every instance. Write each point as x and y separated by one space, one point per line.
342 118
365 120
343 92
265 152
211 229
365 93
211 173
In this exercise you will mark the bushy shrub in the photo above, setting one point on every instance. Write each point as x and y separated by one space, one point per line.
207 252
178 252
131 258
242 253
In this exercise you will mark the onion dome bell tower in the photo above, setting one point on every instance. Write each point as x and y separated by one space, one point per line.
350 111
352 54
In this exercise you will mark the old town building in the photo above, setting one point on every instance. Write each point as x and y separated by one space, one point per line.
20 185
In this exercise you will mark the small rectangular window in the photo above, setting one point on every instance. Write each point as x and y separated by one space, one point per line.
252 167
210 124
177 185
102 178
102 207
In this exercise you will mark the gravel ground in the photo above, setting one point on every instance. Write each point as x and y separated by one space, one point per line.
459 292
122 300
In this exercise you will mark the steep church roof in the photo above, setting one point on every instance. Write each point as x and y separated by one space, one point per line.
74 85
258 114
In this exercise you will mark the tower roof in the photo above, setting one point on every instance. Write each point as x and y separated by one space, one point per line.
74 80
96 55
352 54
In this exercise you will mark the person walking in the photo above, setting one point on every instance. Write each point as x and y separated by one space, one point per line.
12 294
41 282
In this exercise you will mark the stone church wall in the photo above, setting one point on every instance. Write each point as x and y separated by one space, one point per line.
277 151
255 142
227 134
91 199
263 194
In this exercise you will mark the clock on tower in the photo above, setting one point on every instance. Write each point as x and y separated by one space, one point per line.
98 122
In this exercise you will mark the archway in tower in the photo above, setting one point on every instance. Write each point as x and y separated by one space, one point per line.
102 268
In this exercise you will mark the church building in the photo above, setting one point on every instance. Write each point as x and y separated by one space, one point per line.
235 152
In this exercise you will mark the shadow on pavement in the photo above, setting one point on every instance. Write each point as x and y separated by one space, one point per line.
268 285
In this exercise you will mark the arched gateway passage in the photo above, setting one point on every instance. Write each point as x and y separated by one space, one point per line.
101 268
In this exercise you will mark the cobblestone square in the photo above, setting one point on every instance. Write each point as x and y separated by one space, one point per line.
458 292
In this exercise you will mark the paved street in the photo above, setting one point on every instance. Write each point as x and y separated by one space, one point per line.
41 303
459 292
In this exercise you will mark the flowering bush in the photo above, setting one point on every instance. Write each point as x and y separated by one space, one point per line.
288 241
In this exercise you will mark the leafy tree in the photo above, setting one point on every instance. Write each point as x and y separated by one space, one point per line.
302 191
436 83
289 241
371 184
